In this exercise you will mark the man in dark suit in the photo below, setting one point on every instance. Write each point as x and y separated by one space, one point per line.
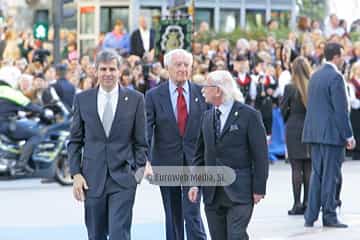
64 89
173 111
231 134
107 146
142 39
327 128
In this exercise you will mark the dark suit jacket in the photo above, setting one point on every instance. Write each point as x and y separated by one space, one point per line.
136 43
293 111
168 148
66 91
243 149
327 118
93 154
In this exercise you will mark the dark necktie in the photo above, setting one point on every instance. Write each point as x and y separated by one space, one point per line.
181 111
217 123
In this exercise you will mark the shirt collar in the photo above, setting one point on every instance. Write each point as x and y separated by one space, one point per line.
333 65
143 30
113 92
173 87
225 108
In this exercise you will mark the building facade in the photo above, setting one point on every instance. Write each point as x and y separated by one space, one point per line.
96 16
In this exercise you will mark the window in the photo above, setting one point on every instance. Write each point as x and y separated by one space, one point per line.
87 19
87 47
152 15
70 22
229 20
255 18
109 15
282 16
204 15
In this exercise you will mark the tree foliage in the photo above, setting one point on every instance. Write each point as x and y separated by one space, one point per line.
314 9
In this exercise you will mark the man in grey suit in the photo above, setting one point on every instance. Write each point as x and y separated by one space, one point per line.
327 128
232 134
173 111
107 146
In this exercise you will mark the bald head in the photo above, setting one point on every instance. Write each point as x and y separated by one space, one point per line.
142 22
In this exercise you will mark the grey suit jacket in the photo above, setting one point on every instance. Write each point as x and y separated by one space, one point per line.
242 146
96 156
327 118
168 148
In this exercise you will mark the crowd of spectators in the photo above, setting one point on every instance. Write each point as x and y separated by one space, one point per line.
262 67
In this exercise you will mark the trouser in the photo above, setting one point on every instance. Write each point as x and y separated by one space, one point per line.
178 209
326 167
21 130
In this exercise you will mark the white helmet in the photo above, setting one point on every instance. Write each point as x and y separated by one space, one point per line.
10 75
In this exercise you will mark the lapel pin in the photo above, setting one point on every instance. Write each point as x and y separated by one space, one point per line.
196 99
236 113
126 98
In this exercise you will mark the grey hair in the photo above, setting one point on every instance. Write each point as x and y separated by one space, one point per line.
224 80
169 56
242 42
107 55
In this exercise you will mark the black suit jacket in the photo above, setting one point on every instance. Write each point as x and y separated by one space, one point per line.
327 118
136 43
64 89
293 111
242 146
95 155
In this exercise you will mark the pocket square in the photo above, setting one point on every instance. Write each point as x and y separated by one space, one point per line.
234 127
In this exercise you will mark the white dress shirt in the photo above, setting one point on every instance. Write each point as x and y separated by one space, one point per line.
102 99
284 79
345 85
225 110
355 103
347 94
145 37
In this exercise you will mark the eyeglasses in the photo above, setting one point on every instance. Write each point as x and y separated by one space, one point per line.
208 85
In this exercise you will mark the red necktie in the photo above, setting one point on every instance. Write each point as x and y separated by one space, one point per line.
181 111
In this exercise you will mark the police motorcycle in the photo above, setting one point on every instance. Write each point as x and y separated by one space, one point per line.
49 158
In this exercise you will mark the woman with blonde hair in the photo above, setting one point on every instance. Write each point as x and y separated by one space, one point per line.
293 108
11 51
354 90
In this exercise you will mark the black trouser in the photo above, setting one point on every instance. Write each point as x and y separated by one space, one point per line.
109 216
326 168
22 131
226 219
178 209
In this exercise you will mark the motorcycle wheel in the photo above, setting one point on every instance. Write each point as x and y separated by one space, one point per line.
62 172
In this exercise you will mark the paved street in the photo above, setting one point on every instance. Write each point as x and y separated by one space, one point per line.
30 210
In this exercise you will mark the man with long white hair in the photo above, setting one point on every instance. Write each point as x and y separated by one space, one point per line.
231 134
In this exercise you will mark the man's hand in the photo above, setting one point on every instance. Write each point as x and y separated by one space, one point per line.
192 194
257 197
79 186
148 170
351 143
268 139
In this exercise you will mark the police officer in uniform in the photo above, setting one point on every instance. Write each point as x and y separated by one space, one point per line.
12 101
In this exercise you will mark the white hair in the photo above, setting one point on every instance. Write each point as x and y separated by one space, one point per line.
168 57
243 44
224 80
